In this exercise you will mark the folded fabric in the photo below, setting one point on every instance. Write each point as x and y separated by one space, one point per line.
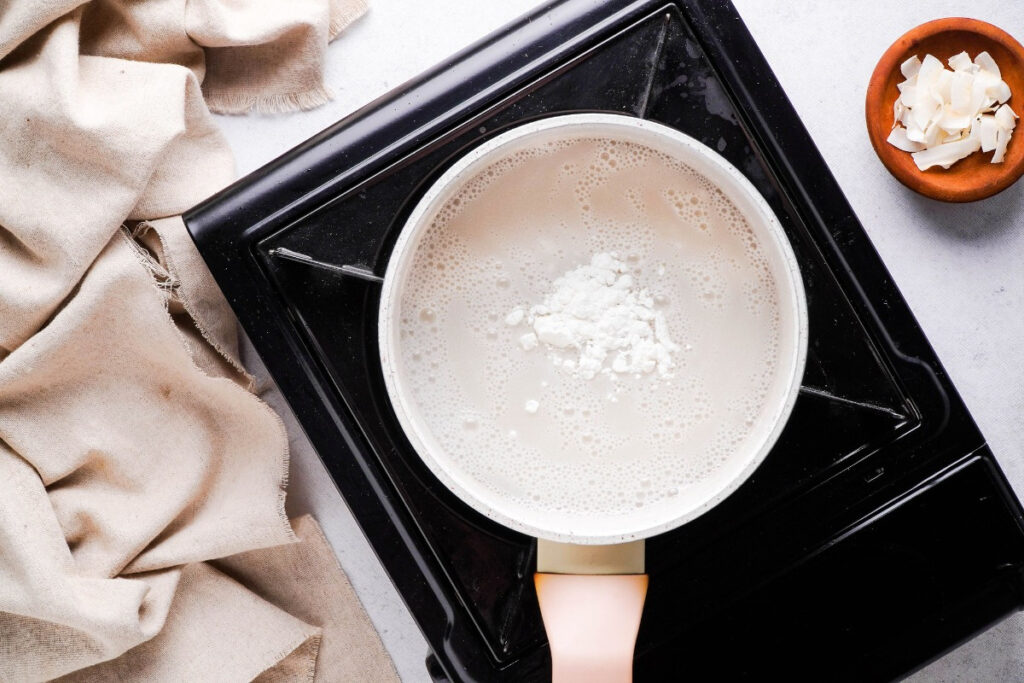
131 451
235 613
306 580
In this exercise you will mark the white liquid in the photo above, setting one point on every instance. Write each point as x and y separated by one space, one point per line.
600 448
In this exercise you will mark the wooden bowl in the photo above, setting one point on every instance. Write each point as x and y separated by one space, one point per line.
972 178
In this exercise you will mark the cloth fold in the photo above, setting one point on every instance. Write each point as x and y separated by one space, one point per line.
229 633
317 592
131 451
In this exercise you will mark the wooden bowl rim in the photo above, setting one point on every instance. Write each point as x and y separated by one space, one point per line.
891 61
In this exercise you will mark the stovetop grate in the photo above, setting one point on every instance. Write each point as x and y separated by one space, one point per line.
877 533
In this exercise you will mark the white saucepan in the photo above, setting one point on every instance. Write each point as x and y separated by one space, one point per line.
590 571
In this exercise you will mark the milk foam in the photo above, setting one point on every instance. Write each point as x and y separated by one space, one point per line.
609 445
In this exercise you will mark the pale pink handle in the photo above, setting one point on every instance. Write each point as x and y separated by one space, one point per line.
591 621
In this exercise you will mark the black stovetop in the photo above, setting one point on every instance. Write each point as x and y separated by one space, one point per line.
878 533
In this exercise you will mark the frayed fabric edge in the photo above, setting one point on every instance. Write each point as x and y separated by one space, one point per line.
315 639
239 103
284 453
343 13
170 273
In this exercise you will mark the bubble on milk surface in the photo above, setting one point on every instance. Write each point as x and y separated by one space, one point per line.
498 243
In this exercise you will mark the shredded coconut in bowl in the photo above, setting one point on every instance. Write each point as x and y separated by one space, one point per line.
943 116
607 323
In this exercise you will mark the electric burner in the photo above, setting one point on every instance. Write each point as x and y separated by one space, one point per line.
878 533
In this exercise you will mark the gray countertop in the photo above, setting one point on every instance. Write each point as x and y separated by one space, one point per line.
959 267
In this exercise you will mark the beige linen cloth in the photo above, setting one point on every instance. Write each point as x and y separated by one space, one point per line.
142 526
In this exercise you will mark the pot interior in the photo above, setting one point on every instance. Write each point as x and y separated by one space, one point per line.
541 418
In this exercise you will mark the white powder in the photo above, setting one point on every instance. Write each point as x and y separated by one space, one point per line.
607 323
529 340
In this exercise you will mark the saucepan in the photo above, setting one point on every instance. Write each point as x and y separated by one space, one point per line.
508 416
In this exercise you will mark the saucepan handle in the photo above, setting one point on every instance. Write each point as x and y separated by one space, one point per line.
591 622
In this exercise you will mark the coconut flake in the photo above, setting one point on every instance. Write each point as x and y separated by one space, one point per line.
960 92
942 116
1002 139
943 85
1006 118
1006 121
897 112
912 66
953 123
977 97
960 62
986 63
930 70
989 130
947 154
999 92
898 139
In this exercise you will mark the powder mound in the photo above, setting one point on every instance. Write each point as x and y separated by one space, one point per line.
605 322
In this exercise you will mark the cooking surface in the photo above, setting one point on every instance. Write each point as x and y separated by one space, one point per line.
871 423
